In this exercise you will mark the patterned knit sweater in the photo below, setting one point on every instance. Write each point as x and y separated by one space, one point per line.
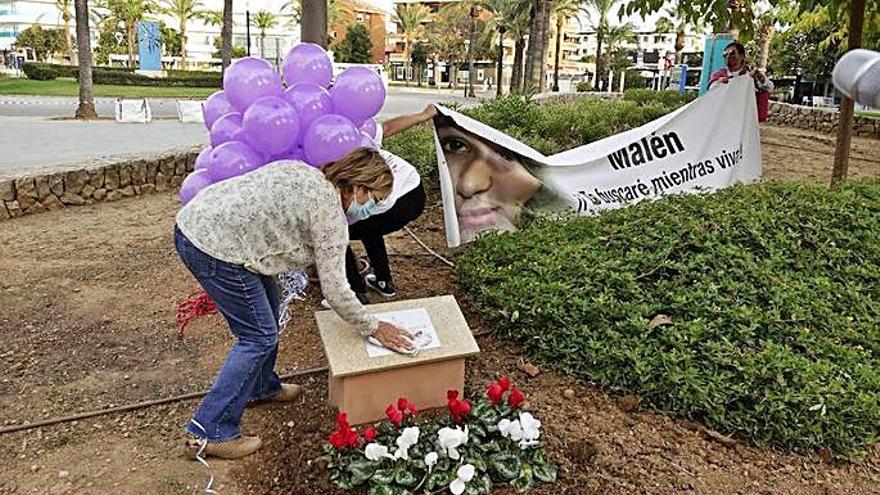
283 216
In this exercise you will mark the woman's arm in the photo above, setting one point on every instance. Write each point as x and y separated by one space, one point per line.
399 124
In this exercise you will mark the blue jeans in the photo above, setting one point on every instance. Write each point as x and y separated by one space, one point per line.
250 304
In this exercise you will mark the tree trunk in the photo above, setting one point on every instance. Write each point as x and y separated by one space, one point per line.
314 22
437 75
517 73
406 59
844 126
599 38
545 45
183 43
559 22
86 107
226 35
764 48
67 42
533 55
262 44
679 46
500 72
453 78
131 34
472 71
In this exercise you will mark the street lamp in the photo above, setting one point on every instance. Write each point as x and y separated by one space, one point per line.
247 22
469 91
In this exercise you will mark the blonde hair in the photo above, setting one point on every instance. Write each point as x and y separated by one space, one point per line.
362 167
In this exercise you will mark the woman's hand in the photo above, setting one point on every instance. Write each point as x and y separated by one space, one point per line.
392 337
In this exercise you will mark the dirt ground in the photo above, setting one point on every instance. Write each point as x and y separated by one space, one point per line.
87 298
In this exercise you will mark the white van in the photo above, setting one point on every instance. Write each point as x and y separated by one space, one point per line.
339 67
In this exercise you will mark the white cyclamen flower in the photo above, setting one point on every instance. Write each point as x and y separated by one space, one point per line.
408 437
504 427
452 438
376 452
465 475
431 460
531 430
515 431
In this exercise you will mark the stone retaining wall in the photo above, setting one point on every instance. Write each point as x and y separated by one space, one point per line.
111 180
819 119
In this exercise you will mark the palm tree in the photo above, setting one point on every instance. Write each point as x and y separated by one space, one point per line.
86 107
63 7
518 29
264 20
563 10
675 21
409 18
446 37
292 9
539 17
226 35
128 13
339 13
504 17
184 11
598 12
211 17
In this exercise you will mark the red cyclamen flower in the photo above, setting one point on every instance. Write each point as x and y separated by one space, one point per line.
516 398
504 383
394 414
495 394
370 434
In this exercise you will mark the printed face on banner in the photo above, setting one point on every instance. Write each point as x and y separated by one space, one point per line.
491 184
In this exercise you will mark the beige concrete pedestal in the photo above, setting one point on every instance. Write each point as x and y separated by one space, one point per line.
363 386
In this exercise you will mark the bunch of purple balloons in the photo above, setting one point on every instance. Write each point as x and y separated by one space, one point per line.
255 120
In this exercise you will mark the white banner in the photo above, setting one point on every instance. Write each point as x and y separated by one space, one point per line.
489 180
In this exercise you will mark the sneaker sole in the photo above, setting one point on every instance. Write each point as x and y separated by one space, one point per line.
383 294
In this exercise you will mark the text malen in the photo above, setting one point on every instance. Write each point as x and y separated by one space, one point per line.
646 150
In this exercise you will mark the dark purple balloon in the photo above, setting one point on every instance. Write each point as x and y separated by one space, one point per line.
329 138
249 79
194 182
216 106
307 62
271 125
204 159
358 93
233 158
310 101
227 128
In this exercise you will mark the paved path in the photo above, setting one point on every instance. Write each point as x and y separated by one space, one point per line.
33 144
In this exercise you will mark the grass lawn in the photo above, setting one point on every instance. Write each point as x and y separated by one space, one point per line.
869 113
69 87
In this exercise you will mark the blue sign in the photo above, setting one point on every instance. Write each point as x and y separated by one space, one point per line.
713 57
149 46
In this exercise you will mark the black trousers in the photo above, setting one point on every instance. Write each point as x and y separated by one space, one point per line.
371 233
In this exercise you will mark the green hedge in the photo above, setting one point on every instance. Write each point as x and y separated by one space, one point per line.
39 72
772 292
128 77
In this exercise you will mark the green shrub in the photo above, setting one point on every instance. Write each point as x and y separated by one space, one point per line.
39 72
584 86
416 145
102 75
665 98
771 290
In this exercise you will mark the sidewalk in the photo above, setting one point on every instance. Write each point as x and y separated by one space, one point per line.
35 145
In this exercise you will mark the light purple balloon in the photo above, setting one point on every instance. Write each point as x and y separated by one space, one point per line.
307 62
367 141
227 128
310 101
369 127
249 79
329 138
358 93
216 106
194 182
271 125
233 158
204 159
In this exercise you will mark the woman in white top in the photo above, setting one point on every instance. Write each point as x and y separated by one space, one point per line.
405 203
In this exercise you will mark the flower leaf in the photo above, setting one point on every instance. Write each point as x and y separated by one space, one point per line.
404 477
381 489
526 480
360 471
545 472
383 477
507 466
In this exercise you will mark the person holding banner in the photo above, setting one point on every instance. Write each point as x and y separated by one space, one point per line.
735 60
405 203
